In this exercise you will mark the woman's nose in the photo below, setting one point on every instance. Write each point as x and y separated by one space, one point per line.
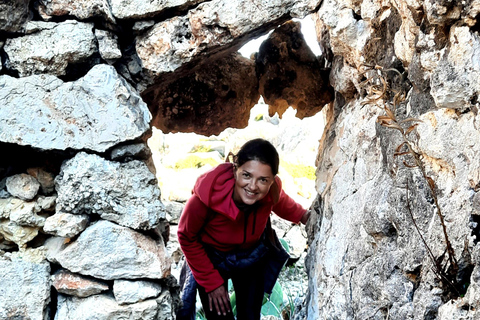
253 185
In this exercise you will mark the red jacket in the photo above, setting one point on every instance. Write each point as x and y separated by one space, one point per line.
225 227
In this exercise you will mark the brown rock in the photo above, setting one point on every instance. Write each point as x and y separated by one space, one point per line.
214 96
290 74
46 179
74 284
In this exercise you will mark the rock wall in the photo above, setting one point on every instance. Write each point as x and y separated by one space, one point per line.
82 228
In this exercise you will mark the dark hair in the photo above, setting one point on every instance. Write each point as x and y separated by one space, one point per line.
259 150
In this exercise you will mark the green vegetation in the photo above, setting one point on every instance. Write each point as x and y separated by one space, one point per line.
194 161
259 117
200 148
299 170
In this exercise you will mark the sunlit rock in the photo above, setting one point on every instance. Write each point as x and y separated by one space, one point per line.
65 224
133 291
76 285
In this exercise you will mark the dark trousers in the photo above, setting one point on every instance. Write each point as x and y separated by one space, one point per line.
248 284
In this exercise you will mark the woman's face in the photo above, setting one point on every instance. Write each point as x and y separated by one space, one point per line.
252 182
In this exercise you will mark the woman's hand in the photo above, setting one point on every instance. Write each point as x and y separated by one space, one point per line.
305 217
220 299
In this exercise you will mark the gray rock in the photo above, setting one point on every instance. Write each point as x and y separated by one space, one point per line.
64 43
126 193
9 204
140 26
208 26
22 186
55 104
108 45
123 9
14 15
45 203
54 247
130 291
174 211
103 307
82 9
24 289
65 224
26 215
108 251
76 285
135 151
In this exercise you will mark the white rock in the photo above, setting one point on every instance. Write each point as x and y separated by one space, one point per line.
126 193
108 251
49 105
103 307
65 224
23 186
130 291
66 42
107 45
26 215
24 289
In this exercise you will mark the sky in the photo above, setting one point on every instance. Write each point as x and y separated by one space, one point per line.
308 30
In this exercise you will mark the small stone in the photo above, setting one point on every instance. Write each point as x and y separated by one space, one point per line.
130 291
46 179
65 224
23 186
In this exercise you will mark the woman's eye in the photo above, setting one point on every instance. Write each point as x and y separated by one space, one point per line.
245 175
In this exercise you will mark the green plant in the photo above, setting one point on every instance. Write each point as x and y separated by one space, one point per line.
200 148
259 117
194 161
299 170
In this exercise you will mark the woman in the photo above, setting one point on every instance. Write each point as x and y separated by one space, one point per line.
222 232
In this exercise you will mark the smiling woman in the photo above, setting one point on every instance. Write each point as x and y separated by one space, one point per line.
222 233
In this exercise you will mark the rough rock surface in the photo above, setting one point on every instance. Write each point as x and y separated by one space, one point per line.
22 186
73 308
24 289
215 95
131 291
290 74
76 285
108 251
108 45
56 46
13 15
125 193
77 115
65 224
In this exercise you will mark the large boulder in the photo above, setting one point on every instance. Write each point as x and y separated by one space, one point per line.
24 289
44 112
126 193
56 46
108 251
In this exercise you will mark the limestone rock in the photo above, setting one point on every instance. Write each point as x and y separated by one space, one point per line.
126 193
82 9
108 251
290 74
65 224
172 43
16 233
22 186
26 215
107 45
131 151
123 9
76 285
103 307
296 240
55 48
9 204
25 289
130 291
13 15
45 179
49 106
212 97
454 81
45 203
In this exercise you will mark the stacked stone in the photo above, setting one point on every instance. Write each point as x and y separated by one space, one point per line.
82 229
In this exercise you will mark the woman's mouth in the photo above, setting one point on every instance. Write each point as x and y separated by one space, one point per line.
250 193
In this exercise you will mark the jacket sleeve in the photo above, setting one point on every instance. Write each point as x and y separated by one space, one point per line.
191 223
286 207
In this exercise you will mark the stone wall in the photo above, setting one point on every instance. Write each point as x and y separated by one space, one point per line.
82 82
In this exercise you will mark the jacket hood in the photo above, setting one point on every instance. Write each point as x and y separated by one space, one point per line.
215 189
